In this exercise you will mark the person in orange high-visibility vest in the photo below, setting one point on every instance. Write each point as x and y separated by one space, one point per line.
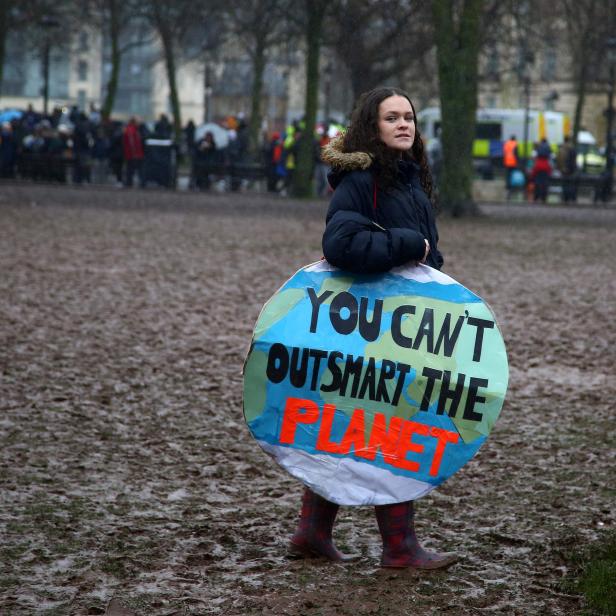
510 160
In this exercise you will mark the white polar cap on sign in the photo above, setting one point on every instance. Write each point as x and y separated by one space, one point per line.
346 481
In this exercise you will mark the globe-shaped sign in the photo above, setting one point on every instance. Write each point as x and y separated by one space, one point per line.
374 389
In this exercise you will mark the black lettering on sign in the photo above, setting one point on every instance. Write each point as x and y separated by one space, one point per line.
342 301
432 375
396 326
352 367
455 394
388 371
403 370
333 367
426 330
368 382
473 398
448 338
370 330
277 363
316 302
317 355
480 324
298 371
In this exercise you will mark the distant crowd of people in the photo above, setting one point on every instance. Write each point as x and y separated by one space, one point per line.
70 145
543 166
96 150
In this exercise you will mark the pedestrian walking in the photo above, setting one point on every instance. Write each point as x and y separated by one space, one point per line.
566 163
541 171
82 149
510 162
380 216
133 152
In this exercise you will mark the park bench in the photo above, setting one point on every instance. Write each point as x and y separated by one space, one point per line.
233 172
584 182
43 166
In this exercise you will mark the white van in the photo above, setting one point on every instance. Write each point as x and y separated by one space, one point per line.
495 126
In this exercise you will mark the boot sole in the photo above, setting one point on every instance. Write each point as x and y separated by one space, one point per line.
296 551
431 566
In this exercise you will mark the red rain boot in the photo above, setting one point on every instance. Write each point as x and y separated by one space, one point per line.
313 536
400 545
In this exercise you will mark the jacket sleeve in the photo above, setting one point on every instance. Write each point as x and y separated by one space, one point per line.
438 255
354 242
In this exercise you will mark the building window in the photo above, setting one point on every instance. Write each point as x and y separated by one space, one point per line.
493 65
82 70
84 43
548 66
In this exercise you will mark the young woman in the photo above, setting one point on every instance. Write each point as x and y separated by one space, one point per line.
380 216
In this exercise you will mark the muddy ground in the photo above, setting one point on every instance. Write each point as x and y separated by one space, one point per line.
126 469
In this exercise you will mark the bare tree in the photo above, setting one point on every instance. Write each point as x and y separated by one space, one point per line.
587 23
179 24
8 19
171 21
39 22
457 25
258 25
114 19
379 40
314 13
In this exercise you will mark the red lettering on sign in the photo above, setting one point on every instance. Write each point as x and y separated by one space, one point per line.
355 434
384 439
394 441
444 437
292 417
323 440
406 444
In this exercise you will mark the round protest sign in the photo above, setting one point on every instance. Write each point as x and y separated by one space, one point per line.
373 389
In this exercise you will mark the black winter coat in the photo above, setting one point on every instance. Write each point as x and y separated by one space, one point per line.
362 238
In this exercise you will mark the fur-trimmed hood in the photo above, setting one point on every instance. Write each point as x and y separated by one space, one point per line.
342 163
338 160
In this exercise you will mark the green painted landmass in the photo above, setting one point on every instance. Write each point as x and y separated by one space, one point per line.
255 384
337 284
276 309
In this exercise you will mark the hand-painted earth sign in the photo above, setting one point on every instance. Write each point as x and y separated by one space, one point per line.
374 389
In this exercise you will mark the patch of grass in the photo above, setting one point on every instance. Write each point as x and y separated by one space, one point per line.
594 573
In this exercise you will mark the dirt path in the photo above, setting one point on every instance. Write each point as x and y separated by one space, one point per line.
126 469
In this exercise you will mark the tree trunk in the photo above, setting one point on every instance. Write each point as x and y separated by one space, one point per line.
302 179
457 52
362 80
581 64
258 68
580 88
116 58
4 29
173 90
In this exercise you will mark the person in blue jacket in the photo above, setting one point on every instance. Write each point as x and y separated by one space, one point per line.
380 216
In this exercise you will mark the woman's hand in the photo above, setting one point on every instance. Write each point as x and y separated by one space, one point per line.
423 260
427 251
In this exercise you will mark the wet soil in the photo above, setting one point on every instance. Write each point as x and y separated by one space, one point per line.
126 469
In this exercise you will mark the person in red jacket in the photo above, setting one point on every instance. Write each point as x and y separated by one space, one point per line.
541 171
133 152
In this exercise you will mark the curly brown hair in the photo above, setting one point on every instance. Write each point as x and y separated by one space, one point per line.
363 136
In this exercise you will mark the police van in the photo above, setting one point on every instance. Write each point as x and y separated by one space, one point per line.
495 126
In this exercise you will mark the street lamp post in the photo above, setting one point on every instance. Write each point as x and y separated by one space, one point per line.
207 93
329 69
528 59
47 23
609 147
